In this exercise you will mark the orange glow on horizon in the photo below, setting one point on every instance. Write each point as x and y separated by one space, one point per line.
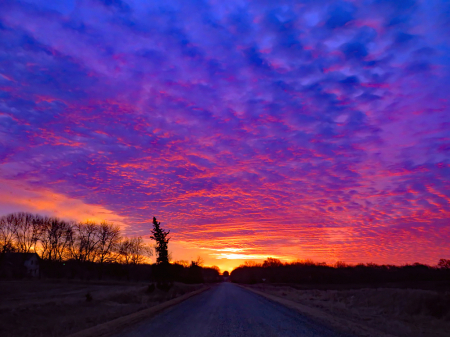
229 245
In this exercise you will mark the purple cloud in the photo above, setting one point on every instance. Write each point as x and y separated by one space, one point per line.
315 129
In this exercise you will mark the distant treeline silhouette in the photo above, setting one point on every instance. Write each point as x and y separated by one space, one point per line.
309 272
90 250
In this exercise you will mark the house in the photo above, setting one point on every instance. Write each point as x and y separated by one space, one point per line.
19 265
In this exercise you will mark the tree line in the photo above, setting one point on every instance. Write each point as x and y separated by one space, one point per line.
89 250
312 273
54 239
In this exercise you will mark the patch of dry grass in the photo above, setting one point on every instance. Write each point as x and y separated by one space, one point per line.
60 308
399 312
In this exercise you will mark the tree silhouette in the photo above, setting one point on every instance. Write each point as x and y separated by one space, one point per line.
160 236
444 264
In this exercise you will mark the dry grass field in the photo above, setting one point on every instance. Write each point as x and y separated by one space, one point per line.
60 308
393 311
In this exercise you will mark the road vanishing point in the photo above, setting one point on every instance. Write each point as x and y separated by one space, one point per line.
228 310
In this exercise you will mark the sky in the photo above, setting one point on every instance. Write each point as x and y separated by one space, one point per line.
308 129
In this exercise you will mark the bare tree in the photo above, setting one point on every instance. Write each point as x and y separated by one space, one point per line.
199 262
6 235
134 250
139 250
26 231
85 241
109 237
184 263
444 263
57 240
55 237
124 249
272 262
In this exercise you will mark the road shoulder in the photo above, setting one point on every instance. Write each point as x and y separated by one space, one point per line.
113 327
337 323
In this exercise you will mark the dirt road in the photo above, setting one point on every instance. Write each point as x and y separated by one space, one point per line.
229 310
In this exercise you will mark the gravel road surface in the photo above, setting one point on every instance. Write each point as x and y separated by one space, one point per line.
229 310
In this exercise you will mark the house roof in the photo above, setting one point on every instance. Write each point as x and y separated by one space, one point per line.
17 257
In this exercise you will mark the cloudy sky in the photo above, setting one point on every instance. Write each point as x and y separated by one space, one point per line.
293 129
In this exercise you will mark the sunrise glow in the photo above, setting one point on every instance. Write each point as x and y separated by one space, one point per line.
289 129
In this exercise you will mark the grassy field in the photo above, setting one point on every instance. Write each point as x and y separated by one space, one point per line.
395 311
59 308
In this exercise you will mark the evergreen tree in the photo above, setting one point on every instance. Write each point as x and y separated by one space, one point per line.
160 236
